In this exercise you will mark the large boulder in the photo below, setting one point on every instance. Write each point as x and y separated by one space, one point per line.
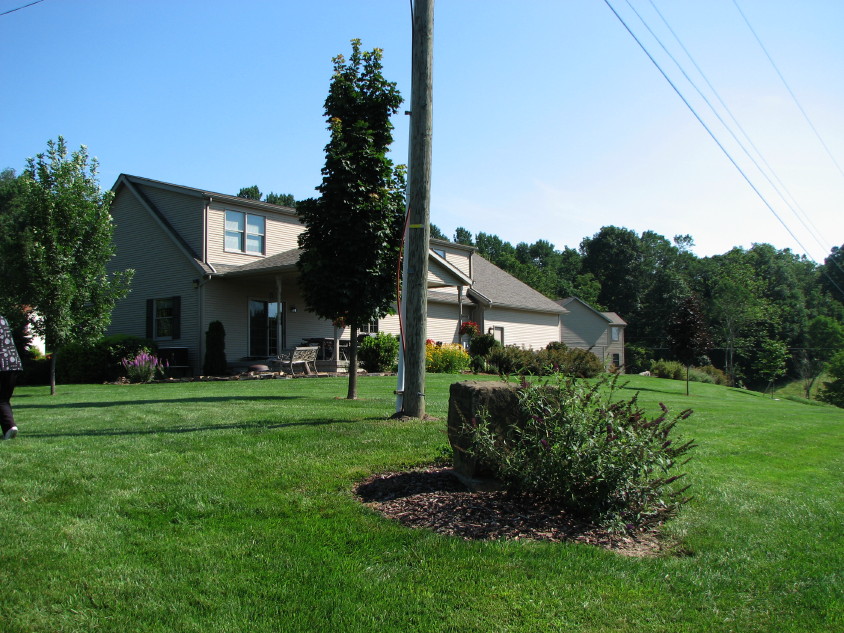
468 400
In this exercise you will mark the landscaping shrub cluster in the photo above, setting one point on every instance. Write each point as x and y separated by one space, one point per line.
450 358
555 358
575 447
378 353
100 361
674 370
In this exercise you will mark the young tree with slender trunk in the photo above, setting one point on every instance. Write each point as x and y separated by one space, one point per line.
688 333
63 232
353 231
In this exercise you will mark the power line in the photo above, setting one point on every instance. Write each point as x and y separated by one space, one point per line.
790 91
19 8
802 217
714 137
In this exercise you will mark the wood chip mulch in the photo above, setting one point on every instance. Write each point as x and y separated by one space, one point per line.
435 499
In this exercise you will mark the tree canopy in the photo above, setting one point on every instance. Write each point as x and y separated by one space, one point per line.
61 242
352 235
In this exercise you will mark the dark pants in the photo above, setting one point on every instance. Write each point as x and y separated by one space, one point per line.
7 387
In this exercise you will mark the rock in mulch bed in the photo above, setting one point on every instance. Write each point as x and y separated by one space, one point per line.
433 498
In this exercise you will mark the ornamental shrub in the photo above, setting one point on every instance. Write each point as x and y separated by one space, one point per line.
575 446
450 358
670 369
215 350
482 344
378 353
717 375
99 361
144 367
511 359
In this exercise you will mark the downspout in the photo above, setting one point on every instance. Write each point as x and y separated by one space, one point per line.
459 310
279 316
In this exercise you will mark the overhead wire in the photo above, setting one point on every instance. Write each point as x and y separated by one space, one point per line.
712 135
19 8
785 194
790 91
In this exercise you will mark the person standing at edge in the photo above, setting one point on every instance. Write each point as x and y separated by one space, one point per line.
10 366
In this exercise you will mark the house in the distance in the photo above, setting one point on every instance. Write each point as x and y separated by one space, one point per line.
201 256
602 333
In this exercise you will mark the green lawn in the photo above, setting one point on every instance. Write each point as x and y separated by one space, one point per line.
227 506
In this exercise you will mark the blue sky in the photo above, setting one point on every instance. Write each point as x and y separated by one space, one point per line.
549 120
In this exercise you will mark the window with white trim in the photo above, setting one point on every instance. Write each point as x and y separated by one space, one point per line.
615 333
245 232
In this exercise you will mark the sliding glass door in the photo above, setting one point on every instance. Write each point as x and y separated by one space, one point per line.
264 328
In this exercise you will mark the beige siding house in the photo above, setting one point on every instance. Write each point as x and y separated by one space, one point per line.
602 333
201 256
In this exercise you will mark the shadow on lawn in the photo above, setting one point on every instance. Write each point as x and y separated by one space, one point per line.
132 403
267 425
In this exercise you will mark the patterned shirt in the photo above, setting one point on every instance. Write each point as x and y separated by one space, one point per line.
9 359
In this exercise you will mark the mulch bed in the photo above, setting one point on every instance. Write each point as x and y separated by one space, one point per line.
435 499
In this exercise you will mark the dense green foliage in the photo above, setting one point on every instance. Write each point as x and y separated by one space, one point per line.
555 358
353 230
98 361
379 353
579 447
57 242
450 358
748 297
833 390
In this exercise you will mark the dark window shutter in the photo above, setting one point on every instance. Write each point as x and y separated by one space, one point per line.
177 317
150 318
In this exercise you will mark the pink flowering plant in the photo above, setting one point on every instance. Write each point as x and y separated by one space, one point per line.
578 447
144 367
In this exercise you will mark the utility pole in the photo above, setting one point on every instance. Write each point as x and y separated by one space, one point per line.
418 234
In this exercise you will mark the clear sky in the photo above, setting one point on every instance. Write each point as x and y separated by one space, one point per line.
549 120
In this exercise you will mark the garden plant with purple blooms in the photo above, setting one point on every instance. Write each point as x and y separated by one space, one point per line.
576 447
144 367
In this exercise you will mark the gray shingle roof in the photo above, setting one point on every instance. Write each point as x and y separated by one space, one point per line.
287 259
502 289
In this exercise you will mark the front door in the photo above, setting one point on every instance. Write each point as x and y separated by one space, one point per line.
266 326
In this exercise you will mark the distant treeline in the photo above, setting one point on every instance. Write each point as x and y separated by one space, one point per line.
749 297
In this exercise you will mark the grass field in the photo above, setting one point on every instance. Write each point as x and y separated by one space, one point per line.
227 506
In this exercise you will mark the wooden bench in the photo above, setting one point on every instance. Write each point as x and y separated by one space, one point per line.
305 356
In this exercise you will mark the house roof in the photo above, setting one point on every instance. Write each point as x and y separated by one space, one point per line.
130 182
610 317
202 193
496 287
279 262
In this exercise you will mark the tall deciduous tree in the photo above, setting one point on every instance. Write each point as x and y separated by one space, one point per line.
352 235
64 231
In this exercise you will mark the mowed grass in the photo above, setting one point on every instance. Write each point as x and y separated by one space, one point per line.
227 506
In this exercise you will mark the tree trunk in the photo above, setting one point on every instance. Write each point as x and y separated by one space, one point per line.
687 380
53 374
353 363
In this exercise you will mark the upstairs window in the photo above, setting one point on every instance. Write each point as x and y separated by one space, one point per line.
615 333
245 233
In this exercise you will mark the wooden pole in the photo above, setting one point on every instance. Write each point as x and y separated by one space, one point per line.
419 199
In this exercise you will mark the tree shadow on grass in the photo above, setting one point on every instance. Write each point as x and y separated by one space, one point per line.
132 403
264 424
